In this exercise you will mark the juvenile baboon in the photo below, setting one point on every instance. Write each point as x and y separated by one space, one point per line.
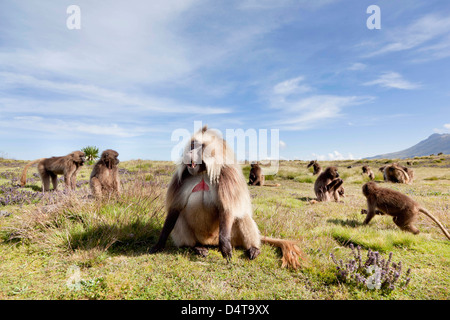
105 175
68 166
328 184
256 177
208 204
369 172
316 167
396 204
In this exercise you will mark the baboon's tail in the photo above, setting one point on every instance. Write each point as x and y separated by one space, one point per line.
291 252
435 220
272 185
23 178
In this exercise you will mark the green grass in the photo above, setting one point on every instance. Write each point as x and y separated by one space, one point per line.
105 243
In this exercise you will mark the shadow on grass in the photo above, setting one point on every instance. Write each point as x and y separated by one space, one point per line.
346 223
306 199
34 187
133 239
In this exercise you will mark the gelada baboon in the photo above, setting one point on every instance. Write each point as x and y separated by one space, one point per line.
257 178
68 166
369 172
397 174
394 203
105 175
328 185
208 204
316 167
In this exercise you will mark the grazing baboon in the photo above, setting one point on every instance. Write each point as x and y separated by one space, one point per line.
397 174
256 177
208 204
316 167
68 166
328 184
369 172
105 175
409 172
396 204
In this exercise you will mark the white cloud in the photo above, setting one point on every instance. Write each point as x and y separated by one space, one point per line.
332 156
306 113
357 66
393 80
95 96
58 126
429 33
291 86
274 4
445 129
282 144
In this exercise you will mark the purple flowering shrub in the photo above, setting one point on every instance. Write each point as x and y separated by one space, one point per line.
374 273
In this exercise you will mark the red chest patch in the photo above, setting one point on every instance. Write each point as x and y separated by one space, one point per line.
201 186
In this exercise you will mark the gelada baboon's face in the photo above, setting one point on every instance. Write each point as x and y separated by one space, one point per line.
193 157
333 172
79 157
206 151
110 157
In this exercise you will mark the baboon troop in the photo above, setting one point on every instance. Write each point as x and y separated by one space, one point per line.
208 201
208 204
50 168
105 175
402 208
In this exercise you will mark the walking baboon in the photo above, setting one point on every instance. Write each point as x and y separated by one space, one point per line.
396 204
208 204
369 172
105 175
68 166
316 167
328 184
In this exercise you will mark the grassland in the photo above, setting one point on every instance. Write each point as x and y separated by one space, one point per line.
69 246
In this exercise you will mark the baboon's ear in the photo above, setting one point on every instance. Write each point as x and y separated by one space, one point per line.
205 128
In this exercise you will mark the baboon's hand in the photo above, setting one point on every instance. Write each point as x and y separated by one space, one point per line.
156 248
226 249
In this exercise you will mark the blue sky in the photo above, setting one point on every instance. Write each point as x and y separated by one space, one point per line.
138 70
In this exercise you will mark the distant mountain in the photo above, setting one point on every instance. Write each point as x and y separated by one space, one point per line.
434 144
